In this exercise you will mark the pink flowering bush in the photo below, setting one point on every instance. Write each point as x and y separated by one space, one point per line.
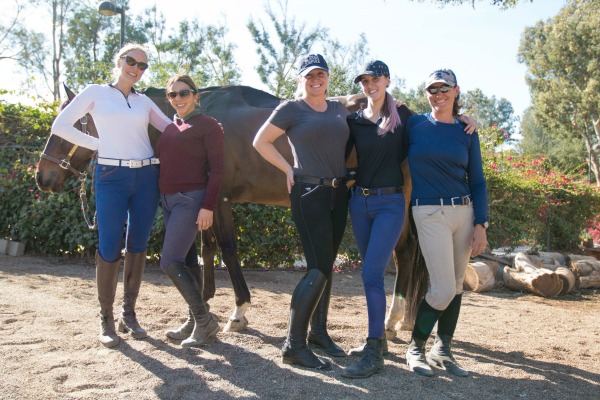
531 204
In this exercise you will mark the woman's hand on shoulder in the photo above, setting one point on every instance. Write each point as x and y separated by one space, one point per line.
399 103
471 124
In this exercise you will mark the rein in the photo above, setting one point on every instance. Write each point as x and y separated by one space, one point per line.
65 163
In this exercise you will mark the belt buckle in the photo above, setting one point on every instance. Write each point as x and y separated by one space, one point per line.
136 163
336 182
365 192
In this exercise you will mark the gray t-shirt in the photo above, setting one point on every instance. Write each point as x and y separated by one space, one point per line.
318 139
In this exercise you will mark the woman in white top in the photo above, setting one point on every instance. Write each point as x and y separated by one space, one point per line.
126 181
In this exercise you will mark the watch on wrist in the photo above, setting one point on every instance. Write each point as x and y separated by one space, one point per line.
485 224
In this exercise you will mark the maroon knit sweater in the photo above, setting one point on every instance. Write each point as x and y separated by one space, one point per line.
191 158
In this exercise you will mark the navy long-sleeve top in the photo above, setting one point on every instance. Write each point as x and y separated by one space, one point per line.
445 162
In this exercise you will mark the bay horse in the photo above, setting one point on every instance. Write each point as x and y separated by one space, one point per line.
248 179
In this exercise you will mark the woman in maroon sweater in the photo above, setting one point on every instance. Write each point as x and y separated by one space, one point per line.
191 157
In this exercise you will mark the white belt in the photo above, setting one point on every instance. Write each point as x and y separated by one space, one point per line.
128 163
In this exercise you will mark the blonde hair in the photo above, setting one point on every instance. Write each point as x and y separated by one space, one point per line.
124 50
299 93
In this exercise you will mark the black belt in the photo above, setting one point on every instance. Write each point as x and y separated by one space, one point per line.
378 191
313 180
452 201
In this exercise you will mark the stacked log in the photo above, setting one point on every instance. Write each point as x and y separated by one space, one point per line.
480 276
587 271
531 276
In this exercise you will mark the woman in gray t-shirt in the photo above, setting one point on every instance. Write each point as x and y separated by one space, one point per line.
317 131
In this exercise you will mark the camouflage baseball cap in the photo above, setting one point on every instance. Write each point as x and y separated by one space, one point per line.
310 62
375 68
443 75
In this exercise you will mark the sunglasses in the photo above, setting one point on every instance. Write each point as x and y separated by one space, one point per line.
132 61
443 89
182 93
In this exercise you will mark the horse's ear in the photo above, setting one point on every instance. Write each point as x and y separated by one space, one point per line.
70 94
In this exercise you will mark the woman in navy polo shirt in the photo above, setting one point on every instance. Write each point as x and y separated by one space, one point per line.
449 204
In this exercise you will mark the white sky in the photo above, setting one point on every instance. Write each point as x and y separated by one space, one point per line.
413 38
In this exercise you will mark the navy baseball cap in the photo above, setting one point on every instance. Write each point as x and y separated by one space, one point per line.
375 68
443 75
310 62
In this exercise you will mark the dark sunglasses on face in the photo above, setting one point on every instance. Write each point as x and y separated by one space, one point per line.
132 61
443 89
182 93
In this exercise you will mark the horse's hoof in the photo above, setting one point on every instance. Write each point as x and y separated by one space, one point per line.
390 334
236 325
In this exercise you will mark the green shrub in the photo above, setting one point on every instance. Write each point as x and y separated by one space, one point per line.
530 204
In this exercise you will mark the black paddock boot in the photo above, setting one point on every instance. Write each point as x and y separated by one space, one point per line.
304 301
358 351
318 335
415 358
206 325
370 363
133 273
441 355
107 276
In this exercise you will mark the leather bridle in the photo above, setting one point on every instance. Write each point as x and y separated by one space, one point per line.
65 163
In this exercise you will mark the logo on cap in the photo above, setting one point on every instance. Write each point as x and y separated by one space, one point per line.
310 62
375 68
443 75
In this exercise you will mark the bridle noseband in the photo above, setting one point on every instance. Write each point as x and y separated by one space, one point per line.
65 163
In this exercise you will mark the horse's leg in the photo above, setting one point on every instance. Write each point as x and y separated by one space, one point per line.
209 249
225 234
396 310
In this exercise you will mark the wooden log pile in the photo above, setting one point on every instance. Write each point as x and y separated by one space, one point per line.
587 270
545 274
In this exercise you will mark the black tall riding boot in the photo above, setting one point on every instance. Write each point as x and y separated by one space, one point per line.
370 363
133 273
441 351
441 356
206 325
107 276
318 334
426 319
304 301
185 330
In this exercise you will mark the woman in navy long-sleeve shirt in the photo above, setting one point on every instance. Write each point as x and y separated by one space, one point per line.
449 204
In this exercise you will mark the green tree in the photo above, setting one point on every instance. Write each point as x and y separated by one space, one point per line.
344 62
279 57
565 154
415 99
562 55
88 60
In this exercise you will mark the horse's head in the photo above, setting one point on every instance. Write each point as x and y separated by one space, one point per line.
61 159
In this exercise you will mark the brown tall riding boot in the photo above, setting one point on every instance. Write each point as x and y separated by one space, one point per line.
107 276
133 272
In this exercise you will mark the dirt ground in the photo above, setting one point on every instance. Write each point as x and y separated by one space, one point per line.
516 346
